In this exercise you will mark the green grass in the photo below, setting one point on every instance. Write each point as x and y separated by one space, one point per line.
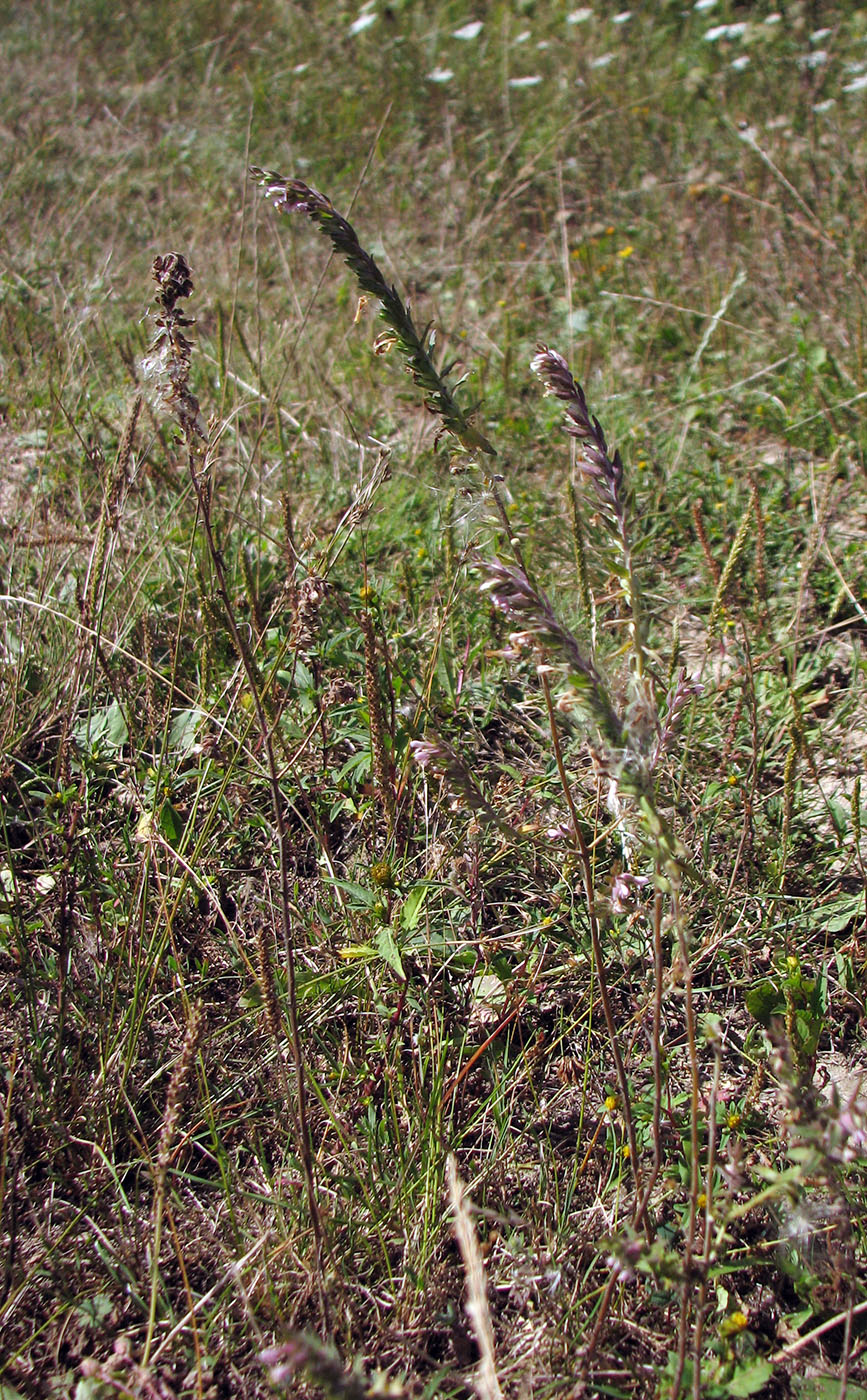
686 230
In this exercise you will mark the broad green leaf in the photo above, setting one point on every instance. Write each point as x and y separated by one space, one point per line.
838 915
825 1388
750 1378
413 904
357 893
116 733
388 951
764 1001
171 824
185 726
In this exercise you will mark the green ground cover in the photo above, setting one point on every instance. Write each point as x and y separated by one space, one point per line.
432 901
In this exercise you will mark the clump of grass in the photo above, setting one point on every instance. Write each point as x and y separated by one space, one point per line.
628 742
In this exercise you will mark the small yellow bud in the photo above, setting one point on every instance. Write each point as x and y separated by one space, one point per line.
382 875
734 1323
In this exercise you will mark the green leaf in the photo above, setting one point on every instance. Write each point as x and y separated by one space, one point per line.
796 1320
170 823
839 914
388 951
185 725
358 766
116 733
764 1002
825 1388
750 1378
95 1310
359 895
89 1388
107 727
413 904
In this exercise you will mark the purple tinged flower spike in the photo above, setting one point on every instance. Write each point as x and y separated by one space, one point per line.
676 702
435 754
512 592
605 472
417 347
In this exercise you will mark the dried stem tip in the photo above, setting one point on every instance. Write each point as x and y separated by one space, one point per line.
177 1089
170 354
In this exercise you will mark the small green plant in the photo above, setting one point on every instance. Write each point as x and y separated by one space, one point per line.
795 1006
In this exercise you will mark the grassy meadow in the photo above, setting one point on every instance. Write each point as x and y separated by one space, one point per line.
432 881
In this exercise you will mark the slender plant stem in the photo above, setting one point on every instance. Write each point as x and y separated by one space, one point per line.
656 1058
694 1178
596 942
710 1167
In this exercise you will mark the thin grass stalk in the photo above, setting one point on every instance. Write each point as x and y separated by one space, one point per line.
113 494
191 1314
448 529
596 941
599 1323
67 886
761 553
270 1004
710 1168
290 550
701 535
251 593
381 762
5 1154
486 1382
170 356
790 769
151 719
694 1176
656 1059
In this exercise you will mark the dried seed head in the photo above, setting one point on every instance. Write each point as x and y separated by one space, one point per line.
173 277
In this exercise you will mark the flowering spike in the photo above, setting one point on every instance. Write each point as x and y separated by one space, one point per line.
293 196
605 472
